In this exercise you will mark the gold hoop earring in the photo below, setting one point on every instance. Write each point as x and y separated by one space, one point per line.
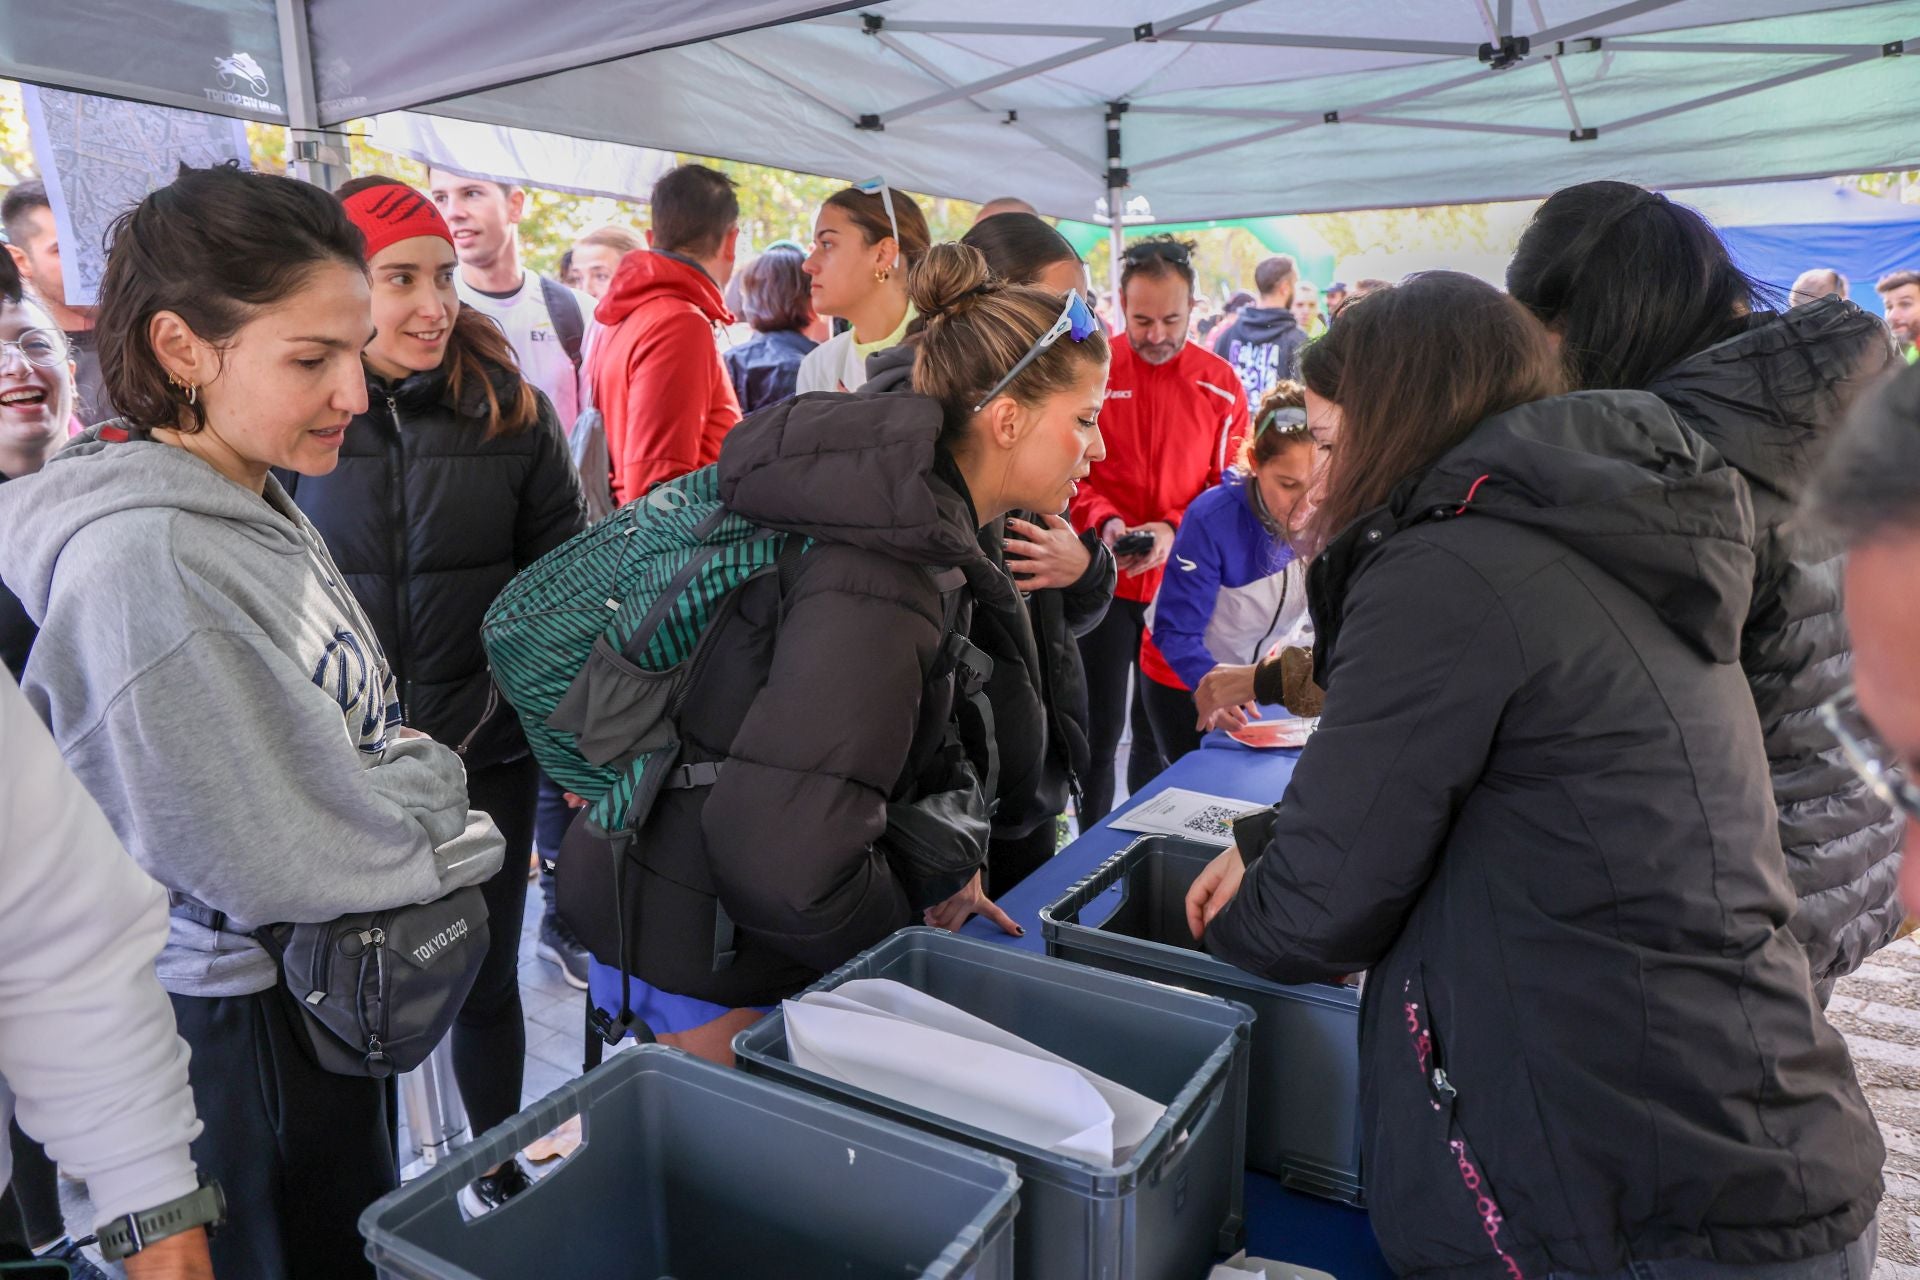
881 277
192 389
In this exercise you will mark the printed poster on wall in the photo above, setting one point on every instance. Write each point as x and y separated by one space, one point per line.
101 156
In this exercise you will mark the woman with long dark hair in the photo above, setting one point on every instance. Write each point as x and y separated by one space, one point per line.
454 477
223 696
1537 813
1641 293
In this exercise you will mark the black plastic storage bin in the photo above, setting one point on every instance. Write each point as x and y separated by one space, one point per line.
1166 1212
1303 1103
694 1172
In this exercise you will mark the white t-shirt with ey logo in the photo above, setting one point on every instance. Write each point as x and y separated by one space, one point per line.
536 343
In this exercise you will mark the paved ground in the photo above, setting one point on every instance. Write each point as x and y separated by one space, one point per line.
1878 1009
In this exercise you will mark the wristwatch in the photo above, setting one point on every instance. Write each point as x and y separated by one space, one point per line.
126 1236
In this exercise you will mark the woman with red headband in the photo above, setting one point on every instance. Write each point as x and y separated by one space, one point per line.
455 477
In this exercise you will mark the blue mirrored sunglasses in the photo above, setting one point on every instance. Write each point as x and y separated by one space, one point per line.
1076 321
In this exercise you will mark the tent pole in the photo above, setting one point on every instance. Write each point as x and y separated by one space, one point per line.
1116 202
314 154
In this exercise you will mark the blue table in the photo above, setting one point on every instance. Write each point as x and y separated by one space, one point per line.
1280 1224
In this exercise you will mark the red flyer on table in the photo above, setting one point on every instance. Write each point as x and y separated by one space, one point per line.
1274 733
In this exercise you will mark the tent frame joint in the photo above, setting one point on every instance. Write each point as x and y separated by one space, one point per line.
1587 134
1143 34
1509 51
1893 48
1330 117
870 123
872 24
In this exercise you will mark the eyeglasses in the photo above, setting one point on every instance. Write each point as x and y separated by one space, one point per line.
1171 250
879 187
1286 421
42 348
1076 321
1869 756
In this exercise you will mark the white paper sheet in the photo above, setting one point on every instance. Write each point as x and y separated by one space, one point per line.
890 1039
1241 1267
1191 814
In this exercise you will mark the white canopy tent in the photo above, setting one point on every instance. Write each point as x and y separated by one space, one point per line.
1232 108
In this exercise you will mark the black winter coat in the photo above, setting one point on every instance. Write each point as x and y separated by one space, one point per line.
428 519
1039 685
820 711
1537 812
1768 400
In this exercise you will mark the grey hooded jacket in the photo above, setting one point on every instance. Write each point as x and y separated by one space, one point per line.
210 679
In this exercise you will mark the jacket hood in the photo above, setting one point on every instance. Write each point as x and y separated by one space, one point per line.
860 470
645 275
890 369
92 479
1264 324
1613 475
1767 397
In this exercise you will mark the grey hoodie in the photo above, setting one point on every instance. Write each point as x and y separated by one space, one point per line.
209 678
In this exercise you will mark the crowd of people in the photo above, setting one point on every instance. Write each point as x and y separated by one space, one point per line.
1605 612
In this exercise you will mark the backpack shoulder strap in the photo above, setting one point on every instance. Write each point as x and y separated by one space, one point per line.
568 323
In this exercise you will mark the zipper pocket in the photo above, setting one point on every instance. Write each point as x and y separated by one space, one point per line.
1441 1096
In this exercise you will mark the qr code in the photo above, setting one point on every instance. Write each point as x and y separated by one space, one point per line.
1215 820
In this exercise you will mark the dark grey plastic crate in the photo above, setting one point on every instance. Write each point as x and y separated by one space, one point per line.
1303 1106
1176 1202
694 1172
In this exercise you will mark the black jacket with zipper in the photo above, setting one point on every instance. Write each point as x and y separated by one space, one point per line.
1768 399
1039 684
821 703
1537 811
429 519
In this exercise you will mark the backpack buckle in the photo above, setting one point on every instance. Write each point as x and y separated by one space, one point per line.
969 664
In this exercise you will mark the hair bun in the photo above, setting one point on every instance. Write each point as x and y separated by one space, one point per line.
948 278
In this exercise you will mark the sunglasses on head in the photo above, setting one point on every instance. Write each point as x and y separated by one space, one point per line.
1076 321
1285 421
879 187
1171 250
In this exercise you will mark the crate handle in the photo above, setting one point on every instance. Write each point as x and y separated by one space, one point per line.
1097 882
1182 1144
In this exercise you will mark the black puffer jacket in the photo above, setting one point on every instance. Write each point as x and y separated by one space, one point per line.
1537 812
1039 685
429 519
1768 400
819 712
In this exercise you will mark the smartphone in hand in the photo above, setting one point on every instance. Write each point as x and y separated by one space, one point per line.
1137 543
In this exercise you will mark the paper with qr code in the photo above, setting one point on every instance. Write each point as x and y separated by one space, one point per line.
1192 814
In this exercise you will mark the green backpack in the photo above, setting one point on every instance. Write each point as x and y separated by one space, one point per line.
596 644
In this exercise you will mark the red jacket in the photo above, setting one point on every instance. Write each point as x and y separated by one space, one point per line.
657 376
1171 432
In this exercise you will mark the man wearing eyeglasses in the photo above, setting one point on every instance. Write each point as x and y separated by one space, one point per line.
1174 415
1868 492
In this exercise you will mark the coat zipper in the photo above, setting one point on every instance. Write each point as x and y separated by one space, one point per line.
486 716
402 573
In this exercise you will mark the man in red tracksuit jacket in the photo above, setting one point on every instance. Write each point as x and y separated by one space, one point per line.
1173 420
657 376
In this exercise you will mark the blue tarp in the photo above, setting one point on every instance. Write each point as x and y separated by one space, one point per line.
1862 253
1779 229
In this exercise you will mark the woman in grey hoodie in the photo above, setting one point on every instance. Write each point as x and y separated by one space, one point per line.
207 674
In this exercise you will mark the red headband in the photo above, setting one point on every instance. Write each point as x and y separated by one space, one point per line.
389 213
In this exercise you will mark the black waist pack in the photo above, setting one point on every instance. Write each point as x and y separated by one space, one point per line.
375 991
